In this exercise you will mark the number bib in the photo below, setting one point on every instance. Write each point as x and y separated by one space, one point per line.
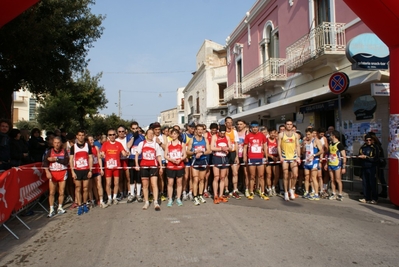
149 155
81 163
112 163
256 149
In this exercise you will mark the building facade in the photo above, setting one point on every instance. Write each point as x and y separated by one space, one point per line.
204 94
174 116
24 106
280 59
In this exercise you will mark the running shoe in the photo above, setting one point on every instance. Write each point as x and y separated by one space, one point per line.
306 195
246 193
184 196
115 201
190 196
263 196
80 210
373 202
269 192
292 194
119 197
251 196
216 200
340 198
179 203
274 192
130 199
150 198
156 206
61 211
146 205
73 206
206 195
332 197
257 192
223 199
316 197
202 199
51 214
196 201
236 195
85 208
103 205
286 197
226 193
170 202
163 198
139 199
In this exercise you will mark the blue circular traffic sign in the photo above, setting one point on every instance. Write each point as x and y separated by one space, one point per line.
338 83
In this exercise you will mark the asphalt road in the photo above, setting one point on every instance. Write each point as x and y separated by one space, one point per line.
237 233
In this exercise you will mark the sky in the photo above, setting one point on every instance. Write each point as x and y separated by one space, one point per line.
148 49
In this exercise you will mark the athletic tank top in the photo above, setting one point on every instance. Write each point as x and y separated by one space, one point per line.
175 152
221 142
311 150
96 165
240 143
124 144
149 154
56 166
334 155
231 136
272 147
288 146
199 145
81 157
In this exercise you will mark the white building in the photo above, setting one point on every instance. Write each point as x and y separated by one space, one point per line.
204 94
25 106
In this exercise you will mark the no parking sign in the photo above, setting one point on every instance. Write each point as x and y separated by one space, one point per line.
338 83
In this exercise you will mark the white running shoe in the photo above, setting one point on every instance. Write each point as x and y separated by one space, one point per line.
196 201
202 199
292 194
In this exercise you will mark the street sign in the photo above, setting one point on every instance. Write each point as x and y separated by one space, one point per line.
338 83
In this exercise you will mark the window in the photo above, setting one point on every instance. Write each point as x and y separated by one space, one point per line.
269 46
182 119
322 11
239 71
197 107
182 104
222 86
32 109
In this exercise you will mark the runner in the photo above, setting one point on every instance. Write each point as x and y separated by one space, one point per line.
124 178
242 131
273 168
336 164
289 152
111 150
323 174
55 164
187 181
255 149
208 135
175 153
162 141
134 139
198 148
312 149
220 146
232 134
98 172
81 162
150 167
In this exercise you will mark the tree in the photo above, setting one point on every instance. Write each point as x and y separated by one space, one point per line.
100 125
42 48
69 109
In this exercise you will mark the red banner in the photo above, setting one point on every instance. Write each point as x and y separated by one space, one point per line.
32 183
8 194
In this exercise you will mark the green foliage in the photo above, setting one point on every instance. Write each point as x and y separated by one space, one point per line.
42 48
27 125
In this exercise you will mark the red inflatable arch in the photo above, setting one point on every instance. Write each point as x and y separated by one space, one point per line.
382 17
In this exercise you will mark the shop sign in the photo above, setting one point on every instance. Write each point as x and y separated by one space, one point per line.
380 89
367 52
364 107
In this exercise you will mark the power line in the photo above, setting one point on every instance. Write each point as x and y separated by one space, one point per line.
146 72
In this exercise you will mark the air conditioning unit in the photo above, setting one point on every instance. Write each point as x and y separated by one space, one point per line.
223 112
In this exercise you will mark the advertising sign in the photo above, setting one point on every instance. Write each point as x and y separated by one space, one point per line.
380 89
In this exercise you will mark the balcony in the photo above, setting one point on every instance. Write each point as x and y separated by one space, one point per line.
269 74
233 94
324 44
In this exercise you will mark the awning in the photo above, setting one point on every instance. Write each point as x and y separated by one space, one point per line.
10 9
355 78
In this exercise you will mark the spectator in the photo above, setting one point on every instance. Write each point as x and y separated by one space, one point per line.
37 146
5 149
63 135
381 165
19 149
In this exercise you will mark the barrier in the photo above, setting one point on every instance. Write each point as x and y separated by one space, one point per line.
20 190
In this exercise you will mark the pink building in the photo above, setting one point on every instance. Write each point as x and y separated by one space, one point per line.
280 58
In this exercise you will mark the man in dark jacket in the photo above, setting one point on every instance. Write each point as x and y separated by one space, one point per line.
5 148
369 154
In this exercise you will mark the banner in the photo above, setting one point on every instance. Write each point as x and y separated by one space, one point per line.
32 183
8 194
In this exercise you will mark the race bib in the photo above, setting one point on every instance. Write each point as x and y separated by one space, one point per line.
256 149
273 150
95 160
240 150
149 155
175 154
55 166
220 154
112 163
81 163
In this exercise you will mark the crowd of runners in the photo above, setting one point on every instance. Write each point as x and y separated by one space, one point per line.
196 164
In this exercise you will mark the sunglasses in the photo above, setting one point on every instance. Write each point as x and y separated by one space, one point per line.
111 134
368 140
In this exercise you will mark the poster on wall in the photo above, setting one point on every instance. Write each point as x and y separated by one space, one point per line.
393 146
355 132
